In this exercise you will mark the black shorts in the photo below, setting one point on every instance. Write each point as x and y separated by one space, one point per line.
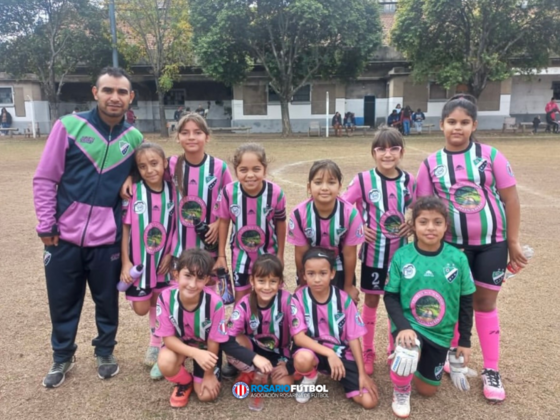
241 281
136 295
432 360
488 263
198 372
274 358
350 382
373 280
338 280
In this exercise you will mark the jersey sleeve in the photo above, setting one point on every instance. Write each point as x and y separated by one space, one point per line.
467 280
296 235
164 327
353 193
297 316
411 187
424 184
280 209
355 234
393 284
221 209
354 326
502 171
237 320
226 175
128 206
218 329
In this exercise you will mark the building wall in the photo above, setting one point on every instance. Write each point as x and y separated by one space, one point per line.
30 103
530 95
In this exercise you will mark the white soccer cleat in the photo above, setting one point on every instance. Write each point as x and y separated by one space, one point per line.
493 388
303 397
401 404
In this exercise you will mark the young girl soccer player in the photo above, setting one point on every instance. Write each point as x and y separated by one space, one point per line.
260 320
148 231
430 288
382 195
477 184
190 319
257 208
326 328
328 221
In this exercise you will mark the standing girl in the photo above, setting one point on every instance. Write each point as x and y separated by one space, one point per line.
257 208
406 119
328 221
148 231
260 322
326 328
430 289
477 185
382 195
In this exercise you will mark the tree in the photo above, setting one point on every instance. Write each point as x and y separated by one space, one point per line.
471 42
49 38
294 41
158 33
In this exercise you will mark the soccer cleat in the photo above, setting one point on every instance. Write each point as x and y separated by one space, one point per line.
151 356
57 374
180 396
369 360
401 403
229 371
303 397
493 389
107 366
155 373
246 377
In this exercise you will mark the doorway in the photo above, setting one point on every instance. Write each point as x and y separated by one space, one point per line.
369 111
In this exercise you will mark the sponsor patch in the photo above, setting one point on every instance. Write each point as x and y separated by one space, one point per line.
235 315
360 231
293 309
158 309
359 320
254 322
116 256
295 323
222 327
46 257
498 275
291 224
509 170
409 271
87 140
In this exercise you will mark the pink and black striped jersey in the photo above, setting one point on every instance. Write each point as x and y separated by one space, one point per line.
382 202
469 183
254 230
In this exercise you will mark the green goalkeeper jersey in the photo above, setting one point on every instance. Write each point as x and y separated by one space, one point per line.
430 285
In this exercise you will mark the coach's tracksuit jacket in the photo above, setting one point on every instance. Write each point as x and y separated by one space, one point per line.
76 194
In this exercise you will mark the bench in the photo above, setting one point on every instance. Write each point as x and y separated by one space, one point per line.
5 131
530 125
365 128
509 124
314 126
232 129
429 127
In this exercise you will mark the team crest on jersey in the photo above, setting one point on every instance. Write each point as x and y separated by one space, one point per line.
211 181
235 210
440 170
340 319
340 231
235 315
46 257
438 371
170 206
374 195
267 211
139 207
293 309
307 319
498 275
222 327
254 322
124 146
206 326
450 272
279 317
359 320
409 271
480 163
309 233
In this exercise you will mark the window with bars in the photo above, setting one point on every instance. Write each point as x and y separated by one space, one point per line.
175 97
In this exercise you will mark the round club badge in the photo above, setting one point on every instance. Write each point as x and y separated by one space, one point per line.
240 390
374 195
139 207
409 271
440 171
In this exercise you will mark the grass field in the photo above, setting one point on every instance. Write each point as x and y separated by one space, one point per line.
530 361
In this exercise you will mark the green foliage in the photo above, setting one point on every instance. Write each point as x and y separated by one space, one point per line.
472 42
294 41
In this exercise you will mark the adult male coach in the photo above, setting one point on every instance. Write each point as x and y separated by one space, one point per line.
86 159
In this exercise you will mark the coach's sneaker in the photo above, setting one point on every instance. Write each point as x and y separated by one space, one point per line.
369 360
401 403
303 397
57 374
107 366
151 356
492 386
180 396
155 373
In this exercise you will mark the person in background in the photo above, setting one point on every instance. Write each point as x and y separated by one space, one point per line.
337 124
398 108
5 120
394 120
418 117
200 110
536 123
349 123
406 118
130 117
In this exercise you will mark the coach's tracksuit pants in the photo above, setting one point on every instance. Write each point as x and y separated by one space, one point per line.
68 267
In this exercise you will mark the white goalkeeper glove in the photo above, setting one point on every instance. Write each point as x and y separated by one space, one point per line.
458 372
405 361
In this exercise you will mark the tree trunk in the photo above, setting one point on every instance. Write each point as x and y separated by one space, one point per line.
286 125
477 84
52 97
162 119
